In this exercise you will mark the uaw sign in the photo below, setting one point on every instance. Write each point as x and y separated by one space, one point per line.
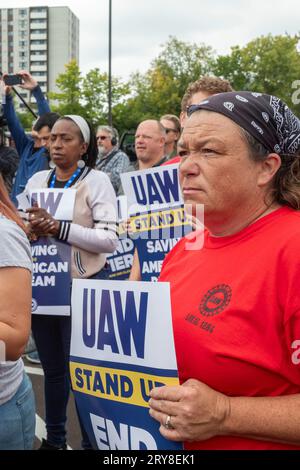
51 280
153 188
158 218
156 233
121 347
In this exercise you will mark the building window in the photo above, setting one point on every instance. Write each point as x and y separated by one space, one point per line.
37 31
38 42
38 10
38 20
38 62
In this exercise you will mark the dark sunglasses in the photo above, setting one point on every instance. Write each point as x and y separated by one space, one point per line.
102 137
167 129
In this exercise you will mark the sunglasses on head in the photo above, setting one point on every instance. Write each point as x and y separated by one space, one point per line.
192 108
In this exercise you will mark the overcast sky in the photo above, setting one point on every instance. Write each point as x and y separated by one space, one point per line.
140 27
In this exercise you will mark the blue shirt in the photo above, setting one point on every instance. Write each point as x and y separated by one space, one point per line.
30 162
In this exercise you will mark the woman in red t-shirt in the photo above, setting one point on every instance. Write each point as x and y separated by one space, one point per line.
236 301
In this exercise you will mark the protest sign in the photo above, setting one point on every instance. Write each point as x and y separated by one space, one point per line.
122 346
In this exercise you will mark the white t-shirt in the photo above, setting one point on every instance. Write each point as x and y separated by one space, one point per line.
14 252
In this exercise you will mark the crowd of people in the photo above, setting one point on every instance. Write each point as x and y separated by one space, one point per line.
235 301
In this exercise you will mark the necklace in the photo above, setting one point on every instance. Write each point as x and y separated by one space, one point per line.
69 182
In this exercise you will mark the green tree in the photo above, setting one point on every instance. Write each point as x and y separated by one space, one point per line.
160 89
87 95
268 64
95 96
69 99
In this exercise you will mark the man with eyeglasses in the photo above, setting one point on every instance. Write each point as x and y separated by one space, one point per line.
111 160
171 123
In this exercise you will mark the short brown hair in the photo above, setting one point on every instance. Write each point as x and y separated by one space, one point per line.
210 85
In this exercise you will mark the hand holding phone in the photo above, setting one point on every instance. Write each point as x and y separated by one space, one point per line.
11 80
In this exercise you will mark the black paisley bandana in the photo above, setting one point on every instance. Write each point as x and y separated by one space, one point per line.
268 119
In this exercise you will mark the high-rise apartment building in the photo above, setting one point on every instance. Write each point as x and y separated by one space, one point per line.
39 39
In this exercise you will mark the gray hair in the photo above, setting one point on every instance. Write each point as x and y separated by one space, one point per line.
112 131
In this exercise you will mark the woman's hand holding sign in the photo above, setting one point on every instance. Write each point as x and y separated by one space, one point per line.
190 412
42 223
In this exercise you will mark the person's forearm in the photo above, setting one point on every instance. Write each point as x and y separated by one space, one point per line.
274 419
89 239
14 126
135 273
42 103
14 342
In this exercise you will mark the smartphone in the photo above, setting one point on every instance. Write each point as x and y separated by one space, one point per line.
11 80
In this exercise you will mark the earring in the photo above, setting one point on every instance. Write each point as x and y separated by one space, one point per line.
81 163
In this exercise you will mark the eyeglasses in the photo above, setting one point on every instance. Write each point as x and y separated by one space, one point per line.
167 129
102 137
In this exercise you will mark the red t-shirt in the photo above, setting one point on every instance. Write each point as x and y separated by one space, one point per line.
236 313
172 161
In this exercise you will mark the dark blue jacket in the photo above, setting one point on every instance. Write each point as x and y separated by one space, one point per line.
30 162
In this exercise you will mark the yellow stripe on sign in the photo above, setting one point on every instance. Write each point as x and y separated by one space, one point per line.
116 385
158 220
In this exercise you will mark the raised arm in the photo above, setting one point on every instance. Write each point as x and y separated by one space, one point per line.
14 125
29 83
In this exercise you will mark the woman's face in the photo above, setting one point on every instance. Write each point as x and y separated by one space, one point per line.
66 144
216 169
